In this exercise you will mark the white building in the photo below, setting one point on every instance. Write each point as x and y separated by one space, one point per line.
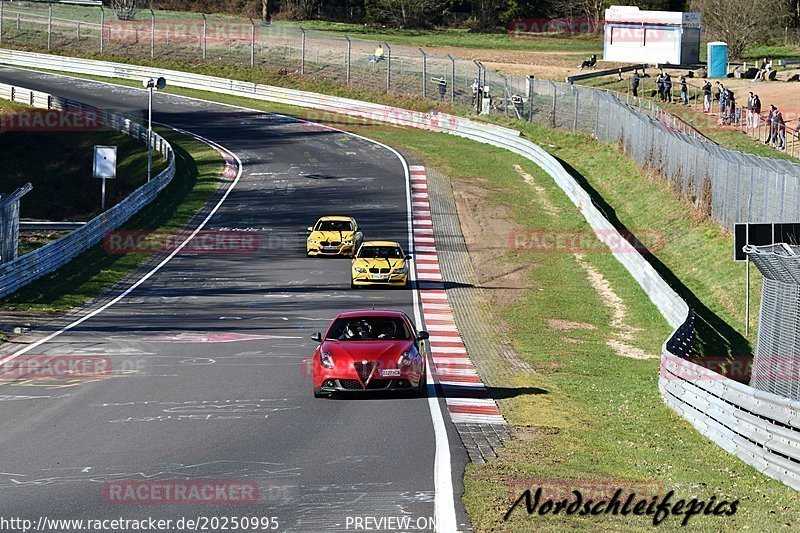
635 36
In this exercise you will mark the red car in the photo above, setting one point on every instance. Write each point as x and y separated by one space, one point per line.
370 351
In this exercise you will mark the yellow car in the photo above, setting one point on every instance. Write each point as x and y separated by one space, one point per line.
380 263
333 236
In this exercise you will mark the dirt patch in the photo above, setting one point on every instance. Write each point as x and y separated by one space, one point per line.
541 192
486 229
555 323
623 333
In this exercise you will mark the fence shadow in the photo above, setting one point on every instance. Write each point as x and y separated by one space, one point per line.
713 336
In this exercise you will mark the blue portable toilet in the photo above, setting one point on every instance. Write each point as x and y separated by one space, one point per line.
717 60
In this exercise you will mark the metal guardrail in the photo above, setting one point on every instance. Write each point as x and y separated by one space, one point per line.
54 255
760 428
9 223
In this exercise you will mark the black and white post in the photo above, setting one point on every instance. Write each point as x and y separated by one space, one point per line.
151 85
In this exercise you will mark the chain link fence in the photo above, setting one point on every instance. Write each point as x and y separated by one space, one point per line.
729 186
776 365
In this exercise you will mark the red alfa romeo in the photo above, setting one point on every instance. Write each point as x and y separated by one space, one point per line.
369 351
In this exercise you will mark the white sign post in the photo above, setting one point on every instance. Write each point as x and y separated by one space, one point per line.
105 168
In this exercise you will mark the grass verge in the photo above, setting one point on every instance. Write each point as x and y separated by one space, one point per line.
198 175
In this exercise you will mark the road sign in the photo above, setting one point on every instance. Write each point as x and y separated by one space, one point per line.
105 168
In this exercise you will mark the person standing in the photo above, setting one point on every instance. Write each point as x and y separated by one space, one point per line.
707 97
667 88
756 111
770 125
635 84
660 86
749 111
684 91
723 96
779 137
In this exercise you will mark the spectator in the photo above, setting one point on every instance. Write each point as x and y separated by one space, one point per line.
749 112
723 96
730 102
756 111
763 71
707 97
770 125
635 83
684 91
667 88
476 87
779 128
660 86
592 61
378 56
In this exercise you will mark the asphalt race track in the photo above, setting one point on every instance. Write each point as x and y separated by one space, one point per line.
208 377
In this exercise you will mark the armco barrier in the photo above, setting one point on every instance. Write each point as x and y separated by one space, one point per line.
54 255
761 429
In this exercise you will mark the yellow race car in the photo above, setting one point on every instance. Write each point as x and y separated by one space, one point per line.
380 263
333 236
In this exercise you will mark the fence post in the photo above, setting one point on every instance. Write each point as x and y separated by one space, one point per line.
252 43
424 73
452 80
204 44
388 66
575 122
49 25
152 34
102 29
302 51
349 56
1 20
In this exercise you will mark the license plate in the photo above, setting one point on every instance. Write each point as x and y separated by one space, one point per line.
391 373
330 248
379 277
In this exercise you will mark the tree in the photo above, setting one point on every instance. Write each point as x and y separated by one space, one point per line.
744 23
125 9
486 15
406 13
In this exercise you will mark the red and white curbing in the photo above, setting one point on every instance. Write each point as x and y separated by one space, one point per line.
468 399
231 166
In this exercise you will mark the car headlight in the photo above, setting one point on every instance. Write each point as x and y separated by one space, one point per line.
405 359
360 270
312 241
401 270
325 359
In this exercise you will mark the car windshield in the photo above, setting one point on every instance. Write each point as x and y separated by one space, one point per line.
380 252
335 225
369 328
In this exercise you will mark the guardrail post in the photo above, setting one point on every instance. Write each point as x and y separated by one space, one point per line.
388 66
575 123
204 37
102 29
78 32
49 25
252 43
424 73
452 79
152 34
349 56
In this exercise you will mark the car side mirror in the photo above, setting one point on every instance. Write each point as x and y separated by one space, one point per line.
310 229
409 256
316 337
423 336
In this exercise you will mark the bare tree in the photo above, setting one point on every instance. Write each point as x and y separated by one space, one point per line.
266 16
742 23
125 9
298 9
406 13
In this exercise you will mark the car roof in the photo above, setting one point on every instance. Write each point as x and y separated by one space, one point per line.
382 243
358 313
337 218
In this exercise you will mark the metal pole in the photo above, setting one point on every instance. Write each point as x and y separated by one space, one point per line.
349 56
205 36
424 73
150 132
302 51
102 28
1 20
747 304
452 80
78 33
152 34
479 95
388 66
49 25
103 197
252 44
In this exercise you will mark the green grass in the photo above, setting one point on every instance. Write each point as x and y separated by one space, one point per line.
198 175
63 186
599 416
